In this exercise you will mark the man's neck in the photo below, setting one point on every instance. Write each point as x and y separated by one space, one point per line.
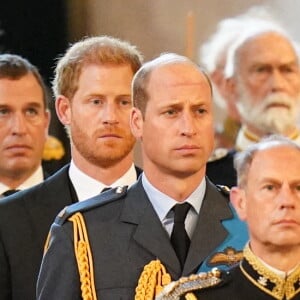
16 178
106 175
177 187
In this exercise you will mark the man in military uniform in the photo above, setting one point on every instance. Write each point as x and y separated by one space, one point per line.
262 73
268 199
93 100
121 231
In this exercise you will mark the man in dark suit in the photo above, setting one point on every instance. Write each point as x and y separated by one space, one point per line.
124 230
93 100
24 122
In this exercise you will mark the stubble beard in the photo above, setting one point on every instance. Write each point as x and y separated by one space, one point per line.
103 154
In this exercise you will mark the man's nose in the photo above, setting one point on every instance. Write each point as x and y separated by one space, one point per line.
18 123
110 114
188 124
286 197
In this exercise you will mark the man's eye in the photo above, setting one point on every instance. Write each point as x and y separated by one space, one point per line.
31 112
201 111
96 101
4 111
125 102
170 112
269 187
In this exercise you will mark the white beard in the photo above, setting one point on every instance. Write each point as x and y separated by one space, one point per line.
274 114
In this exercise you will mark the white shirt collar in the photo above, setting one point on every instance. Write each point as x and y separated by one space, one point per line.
162 203
87 187
35 178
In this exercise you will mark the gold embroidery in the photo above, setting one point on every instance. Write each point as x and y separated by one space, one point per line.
229 257
270 282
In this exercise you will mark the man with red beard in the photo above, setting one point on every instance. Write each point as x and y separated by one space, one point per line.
92 87
263 78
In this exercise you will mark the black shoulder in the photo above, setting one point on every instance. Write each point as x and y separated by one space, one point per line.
97 201
224 190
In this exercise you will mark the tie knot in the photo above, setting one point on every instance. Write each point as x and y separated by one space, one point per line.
180 212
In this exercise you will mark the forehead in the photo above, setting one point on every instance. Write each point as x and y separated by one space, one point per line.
25 88
269 47
178 75
280 161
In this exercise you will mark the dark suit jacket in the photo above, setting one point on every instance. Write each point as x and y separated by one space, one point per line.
25 220
125 235
221 171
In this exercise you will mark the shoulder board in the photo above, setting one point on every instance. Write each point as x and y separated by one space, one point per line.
224 190
97 201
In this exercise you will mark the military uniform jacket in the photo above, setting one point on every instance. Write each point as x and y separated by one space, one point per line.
252 280
125 235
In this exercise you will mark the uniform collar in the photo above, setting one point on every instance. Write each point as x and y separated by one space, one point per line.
270 280
246 138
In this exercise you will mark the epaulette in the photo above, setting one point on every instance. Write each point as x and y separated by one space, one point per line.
224 190
82 206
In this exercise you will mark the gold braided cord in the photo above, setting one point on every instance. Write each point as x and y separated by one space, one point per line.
190 296
152 280
46 246
84 257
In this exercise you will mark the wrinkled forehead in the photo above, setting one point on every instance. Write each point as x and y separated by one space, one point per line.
267 43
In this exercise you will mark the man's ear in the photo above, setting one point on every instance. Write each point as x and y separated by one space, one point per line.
136 123
63 109
238 200
229 87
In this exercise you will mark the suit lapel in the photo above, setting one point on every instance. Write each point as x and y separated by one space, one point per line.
149 233
209 231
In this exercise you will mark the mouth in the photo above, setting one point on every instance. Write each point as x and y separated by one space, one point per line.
278 105
287 222
110 136
188 149
18 146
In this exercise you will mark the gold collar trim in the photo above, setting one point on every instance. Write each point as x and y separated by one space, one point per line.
254 138
268 281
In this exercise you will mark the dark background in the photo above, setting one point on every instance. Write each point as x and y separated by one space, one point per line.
37 30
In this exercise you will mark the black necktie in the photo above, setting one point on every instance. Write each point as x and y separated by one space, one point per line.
179 237
9 192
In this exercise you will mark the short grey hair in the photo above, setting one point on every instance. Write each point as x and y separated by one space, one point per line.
243 160
257 28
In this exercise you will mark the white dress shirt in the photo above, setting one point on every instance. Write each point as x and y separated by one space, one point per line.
87 187
163 205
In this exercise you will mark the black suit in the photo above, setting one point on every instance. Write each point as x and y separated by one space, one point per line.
25 219
125 235
221 170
